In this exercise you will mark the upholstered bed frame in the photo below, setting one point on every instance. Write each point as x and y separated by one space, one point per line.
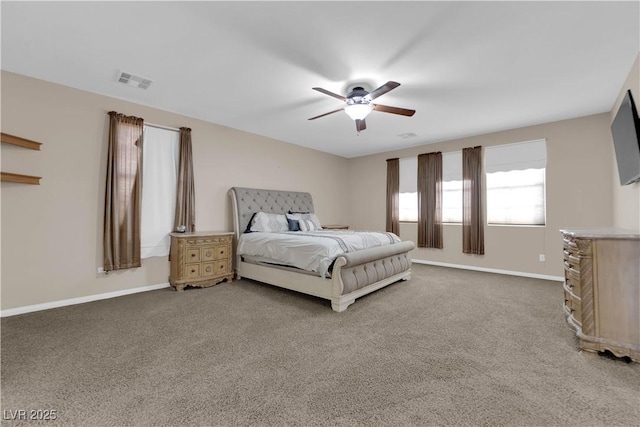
354 274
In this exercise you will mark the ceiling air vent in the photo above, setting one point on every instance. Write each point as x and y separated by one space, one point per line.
407 135
133 80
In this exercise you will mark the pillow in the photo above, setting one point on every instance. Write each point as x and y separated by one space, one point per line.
263 221
307 225
307 216
293 223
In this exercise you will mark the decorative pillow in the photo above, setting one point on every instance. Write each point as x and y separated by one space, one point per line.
307 225
263 221
293 223
307 216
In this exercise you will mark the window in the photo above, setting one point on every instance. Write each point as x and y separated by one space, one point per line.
409 189
452 187
515 182
160 156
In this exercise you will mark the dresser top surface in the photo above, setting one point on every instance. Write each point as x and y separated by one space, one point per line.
601 233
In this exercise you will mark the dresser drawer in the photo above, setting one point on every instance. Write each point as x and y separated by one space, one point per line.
569 244
577 311
572 309
572 271
571 257
573 285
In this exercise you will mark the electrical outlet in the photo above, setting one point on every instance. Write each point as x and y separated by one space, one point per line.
101 270
541 257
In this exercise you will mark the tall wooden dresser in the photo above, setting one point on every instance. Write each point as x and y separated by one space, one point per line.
200 259
602 289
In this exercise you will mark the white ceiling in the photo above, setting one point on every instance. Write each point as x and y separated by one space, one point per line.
467 68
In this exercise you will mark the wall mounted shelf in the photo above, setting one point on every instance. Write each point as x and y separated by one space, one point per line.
20 142
24 143
20 179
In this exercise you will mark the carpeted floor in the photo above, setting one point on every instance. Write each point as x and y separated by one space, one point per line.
449 347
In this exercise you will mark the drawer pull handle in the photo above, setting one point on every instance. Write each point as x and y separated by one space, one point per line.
193 255
193 271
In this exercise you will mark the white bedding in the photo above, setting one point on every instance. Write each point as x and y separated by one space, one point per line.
310 250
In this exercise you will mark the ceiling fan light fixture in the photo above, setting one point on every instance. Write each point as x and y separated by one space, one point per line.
357 111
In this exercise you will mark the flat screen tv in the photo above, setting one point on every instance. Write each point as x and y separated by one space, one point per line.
626 140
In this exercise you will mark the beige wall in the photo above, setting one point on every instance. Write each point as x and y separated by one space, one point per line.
626 198
578 186
52 233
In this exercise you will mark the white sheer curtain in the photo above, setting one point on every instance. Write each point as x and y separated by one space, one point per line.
159 179
452 187
409 189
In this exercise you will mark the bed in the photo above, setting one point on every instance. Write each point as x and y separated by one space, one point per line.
353 273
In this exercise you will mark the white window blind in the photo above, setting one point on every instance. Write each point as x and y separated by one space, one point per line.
452 187
160 156
408 189
515 182
518 156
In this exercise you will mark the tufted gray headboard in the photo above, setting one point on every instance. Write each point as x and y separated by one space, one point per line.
247 201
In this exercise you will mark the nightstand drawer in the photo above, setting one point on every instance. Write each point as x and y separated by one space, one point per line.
215 268
193 255
222 266
207 253
211 253
221 252
208 269
192 271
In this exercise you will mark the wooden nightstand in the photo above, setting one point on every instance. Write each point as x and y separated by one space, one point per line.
202 259
335 227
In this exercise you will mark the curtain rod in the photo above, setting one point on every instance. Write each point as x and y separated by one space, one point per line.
161 127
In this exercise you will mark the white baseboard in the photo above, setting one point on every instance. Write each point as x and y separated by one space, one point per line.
55 304
491 270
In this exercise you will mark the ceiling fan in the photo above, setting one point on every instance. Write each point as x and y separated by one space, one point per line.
358 103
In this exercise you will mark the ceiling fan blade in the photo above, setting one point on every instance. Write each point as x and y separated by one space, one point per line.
393 110
382 90
326 92
360 125
326 114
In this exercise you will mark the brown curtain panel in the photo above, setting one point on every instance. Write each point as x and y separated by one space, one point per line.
186 195
472 218
123 193
430 200
393 196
